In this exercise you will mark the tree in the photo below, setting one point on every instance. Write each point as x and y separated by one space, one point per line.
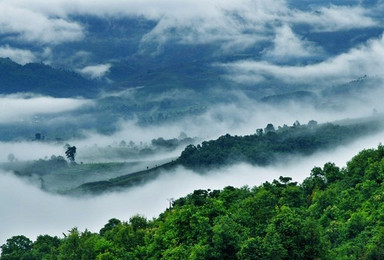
296 124
269 128
71 153
17 248
312 124
45 247
227 238
251 249
112 223
332 173
138 222
300 237
11 157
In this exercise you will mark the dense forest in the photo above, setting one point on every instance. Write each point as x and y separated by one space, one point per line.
335 213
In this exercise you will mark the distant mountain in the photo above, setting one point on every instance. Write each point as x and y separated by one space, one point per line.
43 79
353 88
297 96
333 97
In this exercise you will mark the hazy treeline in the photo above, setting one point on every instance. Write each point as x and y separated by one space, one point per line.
135 151
333 213
95 163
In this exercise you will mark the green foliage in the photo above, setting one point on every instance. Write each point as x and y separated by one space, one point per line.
17 248
334 214
112 223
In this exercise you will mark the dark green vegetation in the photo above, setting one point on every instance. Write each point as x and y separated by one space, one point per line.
334 214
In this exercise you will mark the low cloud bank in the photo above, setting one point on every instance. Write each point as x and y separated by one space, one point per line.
235 25
95 71
362 60
241 118
17 55
33 105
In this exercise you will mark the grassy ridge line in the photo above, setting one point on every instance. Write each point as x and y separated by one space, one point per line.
121 182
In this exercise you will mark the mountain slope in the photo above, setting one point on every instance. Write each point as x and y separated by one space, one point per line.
43 79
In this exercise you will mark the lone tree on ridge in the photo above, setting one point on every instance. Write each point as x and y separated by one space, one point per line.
71 153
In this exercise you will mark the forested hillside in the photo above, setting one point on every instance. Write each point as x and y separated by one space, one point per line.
269 145
334 214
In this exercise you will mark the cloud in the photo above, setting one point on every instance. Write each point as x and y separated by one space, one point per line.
95 71
50 115
288 46
20 107
18 55
237 24
367 59
22 24
242 117
234 24
335 18
29 150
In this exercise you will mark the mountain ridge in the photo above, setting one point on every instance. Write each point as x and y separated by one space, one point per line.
43 79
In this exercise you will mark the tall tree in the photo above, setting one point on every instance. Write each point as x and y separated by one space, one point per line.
71 153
